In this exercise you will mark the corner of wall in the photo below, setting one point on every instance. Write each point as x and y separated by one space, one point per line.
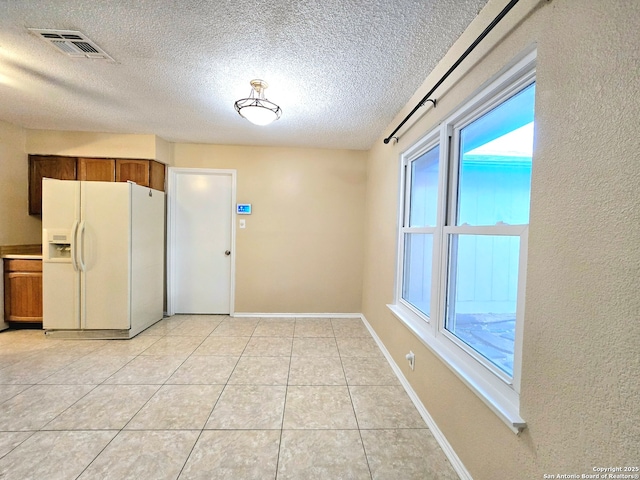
165 151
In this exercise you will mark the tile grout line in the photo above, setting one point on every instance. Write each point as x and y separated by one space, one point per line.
284 405
214 403
119 431
364 450
43 427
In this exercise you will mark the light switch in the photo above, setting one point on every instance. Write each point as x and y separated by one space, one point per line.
242 223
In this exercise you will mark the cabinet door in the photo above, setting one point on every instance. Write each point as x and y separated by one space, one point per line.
61 168
134 170
156 179
97 169
23 290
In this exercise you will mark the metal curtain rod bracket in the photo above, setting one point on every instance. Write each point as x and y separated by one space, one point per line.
475 43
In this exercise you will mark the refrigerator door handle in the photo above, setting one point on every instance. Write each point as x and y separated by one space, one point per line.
83 267
74 231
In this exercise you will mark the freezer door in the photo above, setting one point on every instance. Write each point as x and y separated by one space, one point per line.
147 256
60 297
104 243
60 204
60 279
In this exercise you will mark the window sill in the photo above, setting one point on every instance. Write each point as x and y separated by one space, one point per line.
497 395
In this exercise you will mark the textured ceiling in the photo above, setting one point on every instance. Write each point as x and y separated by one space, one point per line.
339 69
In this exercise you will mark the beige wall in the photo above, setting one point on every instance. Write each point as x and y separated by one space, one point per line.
91 144
301 251
16 226
164 151
581 353
302 248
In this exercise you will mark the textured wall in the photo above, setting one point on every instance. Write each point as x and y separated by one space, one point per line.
302 248
582 336
581 348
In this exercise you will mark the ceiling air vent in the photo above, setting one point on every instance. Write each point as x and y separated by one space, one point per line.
71 43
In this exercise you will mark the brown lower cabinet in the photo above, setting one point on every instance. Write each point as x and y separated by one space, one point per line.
22 290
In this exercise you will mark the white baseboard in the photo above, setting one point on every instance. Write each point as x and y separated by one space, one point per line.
297 315
451 455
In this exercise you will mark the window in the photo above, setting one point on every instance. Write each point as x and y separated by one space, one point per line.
463 237
421 215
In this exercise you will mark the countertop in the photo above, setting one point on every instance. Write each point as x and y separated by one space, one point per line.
25 252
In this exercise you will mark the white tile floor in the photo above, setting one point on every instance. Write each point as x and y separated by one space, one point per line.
210 397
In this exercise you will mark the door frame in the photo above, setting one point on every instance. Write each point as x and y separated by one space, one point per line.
171 224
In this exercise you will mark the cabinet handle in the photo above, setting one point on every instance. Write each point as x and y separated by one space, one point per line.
227 252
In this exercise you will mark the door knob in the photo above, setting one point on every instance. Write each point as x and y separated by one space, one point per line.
227 252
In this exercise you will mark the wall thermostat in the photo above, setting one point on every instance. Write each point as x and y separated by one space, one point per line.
243 209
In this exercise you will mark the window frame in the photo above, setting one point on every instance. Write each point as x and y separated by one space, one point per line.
429 142
496 388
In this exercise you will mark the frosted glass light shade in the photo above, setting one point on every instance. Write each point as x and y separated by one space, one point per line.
258 114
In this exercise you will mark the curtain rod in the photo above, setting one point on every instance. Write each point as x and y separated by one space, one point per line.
475 43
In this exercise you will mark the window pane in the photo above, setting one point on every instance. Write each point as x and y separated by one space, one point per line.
481 294
495 164
424 189
416 287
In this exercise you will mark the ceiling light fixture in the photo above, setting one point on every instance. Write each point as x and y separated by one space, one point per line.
257 109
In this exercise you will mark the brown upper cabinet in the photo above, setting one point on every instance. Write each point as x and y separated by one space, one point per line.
62 168
97 169
135 170
147 173
156 172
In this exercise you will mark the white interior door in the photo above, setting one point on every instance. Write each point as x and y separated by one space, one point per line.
201 240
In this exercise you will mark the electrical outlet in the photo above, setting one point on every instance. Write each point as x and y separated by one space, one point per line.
411 357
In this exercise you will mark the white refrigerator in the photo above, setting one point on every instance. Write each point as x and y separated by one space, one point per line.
103 258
